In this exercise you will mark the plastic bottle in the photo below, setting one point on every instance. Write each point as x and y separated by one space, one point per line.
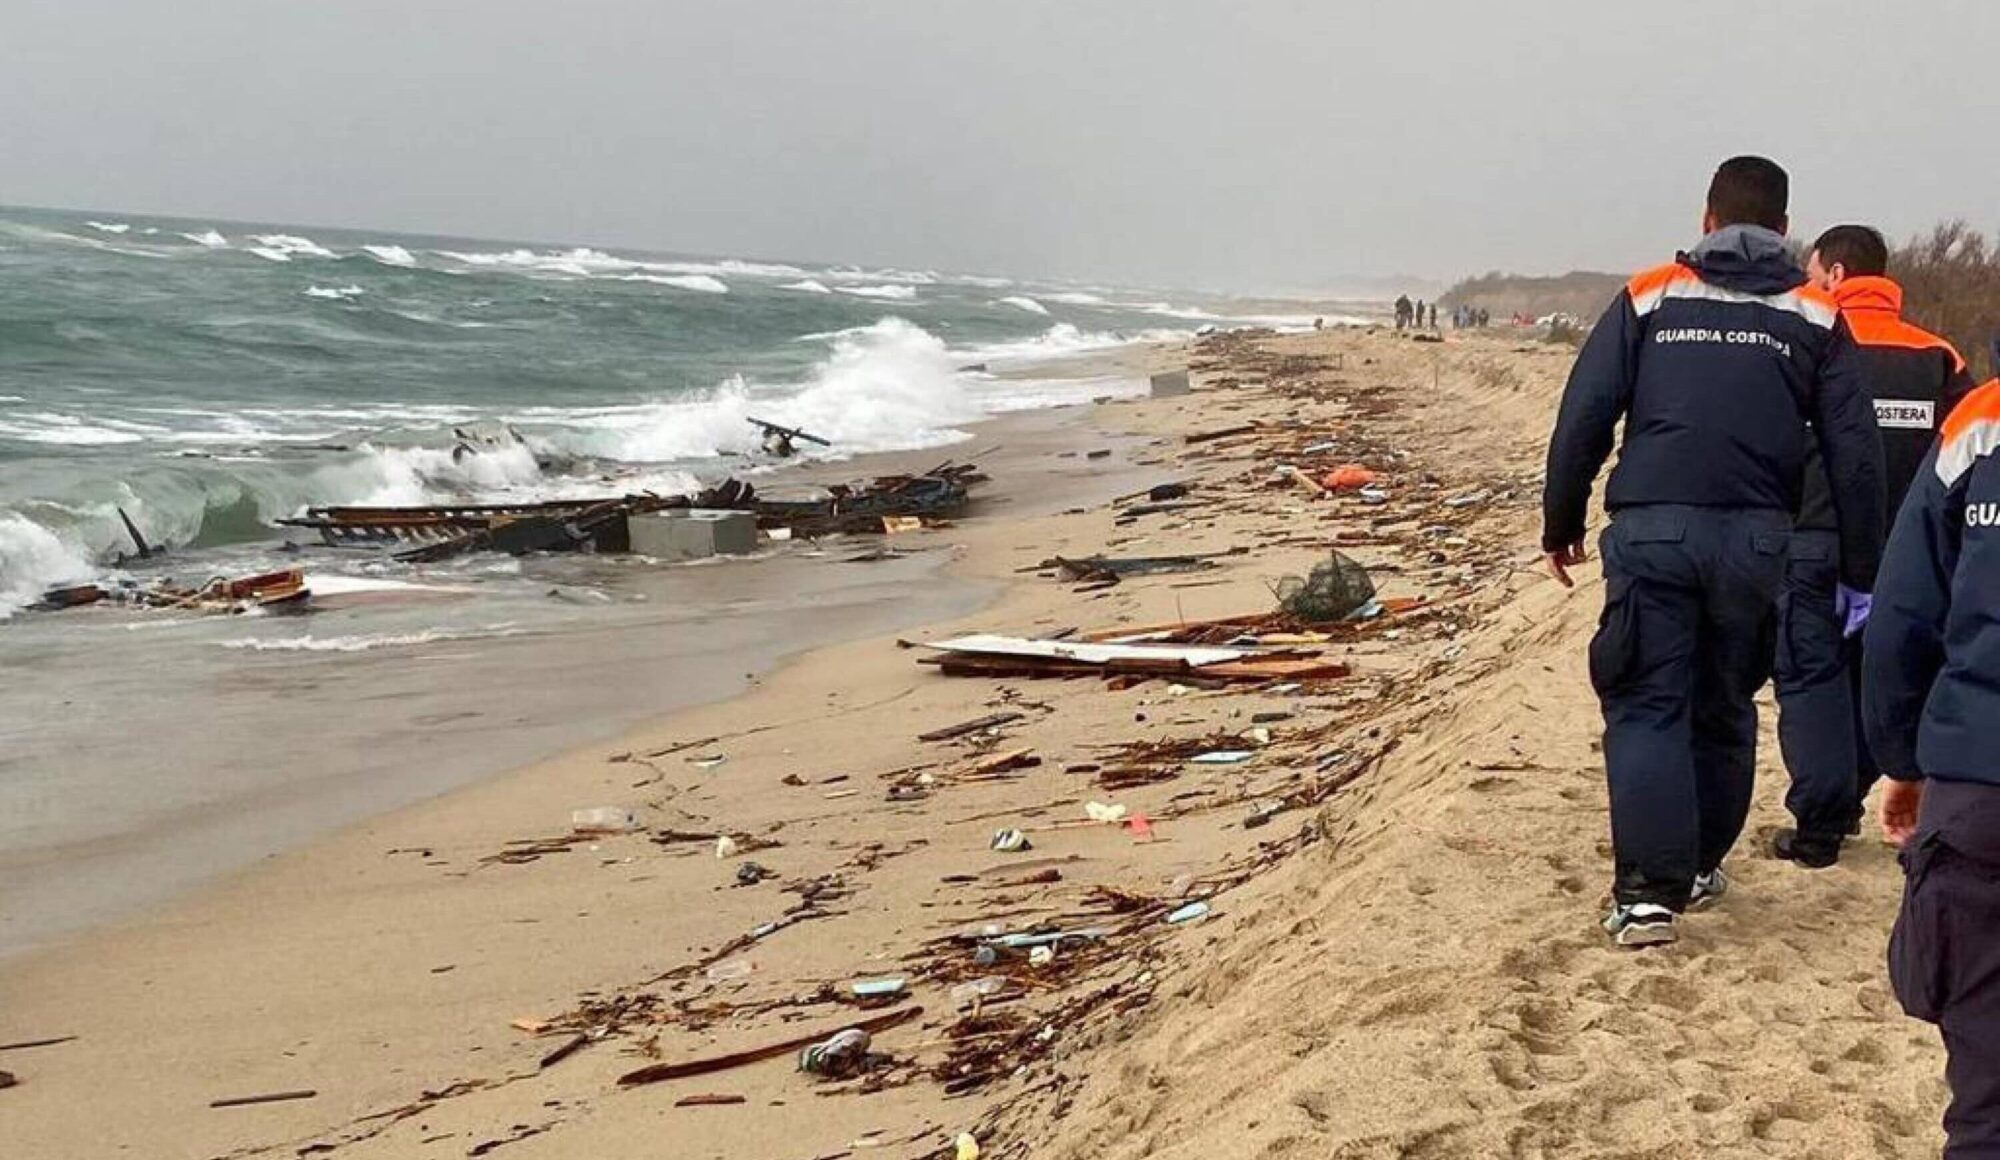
729 970
603 820
968 994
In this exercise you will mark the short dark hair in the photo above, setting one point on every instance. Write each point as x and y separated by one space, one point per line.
1860 249
1750 191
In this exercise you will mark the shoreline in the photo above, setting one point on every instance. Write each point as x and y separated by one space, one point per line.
220 808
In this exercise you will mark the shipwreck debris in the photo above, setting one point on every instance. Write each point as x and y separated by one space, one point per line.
265 1098
779 441
659 1072
280 591
442 532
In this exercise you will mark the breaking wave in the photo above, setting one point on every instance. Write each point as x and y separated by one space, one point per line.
32 560
809 286
884 387
888 292
699 283
334 293
285 247
213 239
1022 302
391 256
1065 339
109 227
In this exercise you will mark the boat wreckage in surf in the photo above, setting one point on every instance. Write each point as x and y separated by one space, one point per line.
442 532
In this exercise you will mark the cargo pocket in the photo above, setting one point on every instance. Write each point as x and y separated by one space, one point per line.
1917 950
1614 651
1771 551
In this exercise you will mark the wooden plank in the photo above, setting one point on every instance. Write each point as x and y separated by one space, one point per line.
1089 653
714 1063
266 1098
977 725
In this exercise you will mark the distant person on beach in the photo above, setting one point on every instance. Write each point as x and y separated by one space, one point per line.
1402 311
1931 699
1434 317
1418 320
1913 379
1717 365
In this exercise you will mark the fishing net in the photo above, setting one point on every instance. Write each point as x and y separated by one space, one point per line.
1336 590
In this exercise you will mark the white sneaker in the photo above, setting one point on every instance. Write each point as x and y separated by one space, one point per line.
1708 889
1642 924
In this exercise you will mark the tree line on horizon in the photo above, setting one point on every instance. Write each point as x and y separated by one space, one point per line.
1950 278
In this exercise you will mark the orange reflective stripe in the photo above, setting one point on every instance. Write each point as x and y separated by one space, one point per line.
1881 328
1649 287
1971 433
1981 406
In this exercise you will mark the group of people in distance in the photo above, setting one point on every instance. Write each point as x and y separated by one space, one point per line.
1806 488
1420 315
1410 315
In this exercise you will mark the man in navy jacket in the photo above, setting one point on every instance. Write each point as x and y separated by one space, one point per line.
1721 366
1931 701
1914 379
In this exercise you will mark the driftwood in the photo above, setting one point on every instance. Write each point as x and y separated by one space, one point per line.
265 1098
665 1071
979 725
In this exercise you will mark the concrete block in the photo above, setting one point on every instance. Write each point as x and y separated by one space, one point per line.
1170 385
693 535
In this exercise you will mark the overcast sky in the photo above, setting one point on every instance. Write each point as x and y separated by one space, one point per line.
1253 144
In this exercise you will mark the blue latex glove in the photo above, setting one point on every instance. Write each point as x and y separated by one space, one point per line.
1852 608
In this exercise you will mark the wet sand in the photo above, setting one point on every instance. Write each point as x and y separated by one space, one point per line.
148 756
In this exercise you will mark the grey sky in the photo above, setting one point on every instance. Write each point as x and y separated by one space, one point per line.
1253 144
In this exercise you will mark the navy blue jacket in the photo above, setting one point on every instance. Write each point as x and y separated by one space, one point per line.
1913 377
1717 364
1931 667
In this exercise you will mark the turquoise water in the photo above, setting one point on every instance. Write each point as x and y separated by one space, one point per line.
210 378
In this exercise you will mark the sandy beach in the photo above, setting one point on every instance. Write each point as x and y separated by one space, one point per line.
1402 867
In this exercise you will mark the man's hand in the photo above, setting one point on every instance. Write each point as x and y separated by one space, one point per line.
1901 802
1562 560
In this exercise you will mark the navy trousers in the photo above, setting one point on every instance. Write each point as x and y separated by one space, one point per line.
1818 675
1944 956
1684 644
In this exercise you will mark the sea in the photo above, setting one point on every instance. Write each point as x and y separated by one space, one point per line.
208 379
205 379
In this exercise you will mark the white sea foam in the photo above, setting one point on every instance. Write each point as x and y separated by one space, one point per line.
888 292
1022 302
32 560
809 286
213 239
882 387
391 255
364 642
334 293
700 283
1076 298
1064 340
109 227
289 245
57 429
857 274
726 267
